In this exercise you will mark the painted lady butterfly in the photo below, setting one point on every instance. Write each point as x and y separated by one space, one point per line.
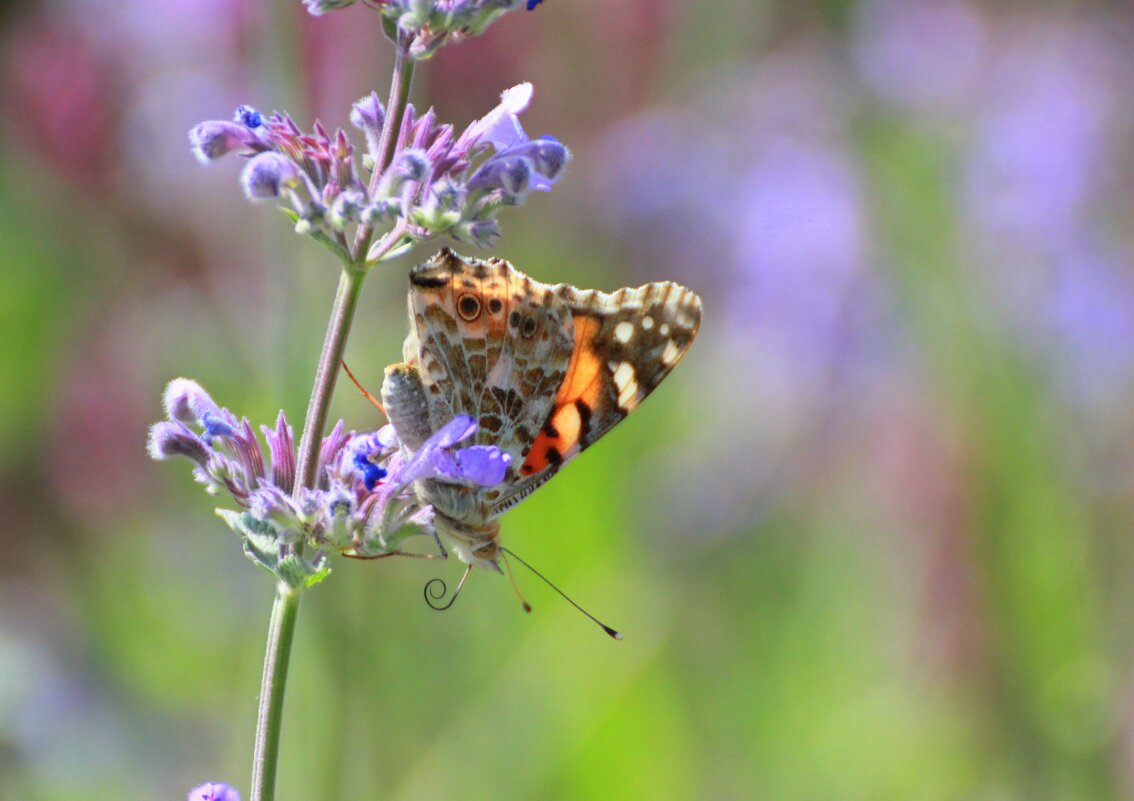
544 369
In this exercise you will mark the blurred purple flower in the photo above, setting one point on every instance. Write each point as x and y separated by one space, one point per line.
924 54
436 183
364 500
1042 137
214 791
771 227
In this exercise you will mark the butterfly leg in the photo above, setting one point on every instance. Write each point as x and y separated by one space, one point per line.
404 398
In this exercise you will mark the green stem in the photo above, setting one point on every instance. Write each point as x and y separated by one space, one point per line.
286 608
326 374
280 633
388 142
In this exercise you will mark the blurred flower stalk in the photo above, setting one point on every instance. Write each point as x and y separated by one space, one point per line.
417 179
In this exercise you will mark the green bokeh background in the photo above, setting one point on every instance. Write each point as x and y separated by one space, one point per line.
925 595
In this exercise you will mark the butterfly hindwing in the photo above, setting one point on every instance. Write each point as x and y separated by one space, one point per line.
625 343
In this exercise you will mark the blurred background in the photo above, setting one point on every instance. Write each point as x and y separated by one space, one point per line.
870 541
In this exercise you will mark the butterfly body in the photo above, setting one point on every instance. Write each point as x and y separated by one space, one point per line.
544 369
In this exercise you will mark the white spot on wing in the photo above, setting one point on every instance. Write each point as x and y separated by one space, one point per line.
664 330
647 323
623 331
623 376
671 354
627 385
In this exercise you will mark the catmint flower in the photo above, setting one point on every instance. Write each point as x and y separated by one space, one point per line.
363 502
428 24
214 791
437 182
369 116
268 175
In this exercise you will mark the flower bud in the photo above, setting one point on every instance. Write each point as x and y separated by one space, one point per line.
174 439
212 139
266 174
186 401
510 174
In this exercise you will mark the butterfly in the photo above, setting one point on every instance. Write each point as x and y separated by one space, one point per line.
545 370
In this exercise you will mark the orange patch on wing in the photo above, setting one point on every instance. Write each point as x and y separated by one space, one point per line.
582 383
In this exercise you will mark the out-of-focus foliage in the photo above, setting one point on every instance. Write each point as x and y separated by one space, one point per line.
870 541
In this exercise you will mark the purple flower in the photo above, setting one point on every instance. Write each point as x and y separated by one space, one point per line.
1043 137
215 138
501 127
364 500
479 464
436 183
214 791
369 116
923 54
267 176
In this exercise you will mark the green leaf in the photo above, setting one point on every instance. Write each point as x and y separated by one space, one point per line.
331 244
299 573
261 539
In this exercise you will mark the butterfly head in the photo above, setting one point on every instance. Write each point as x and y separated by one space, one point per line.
473 545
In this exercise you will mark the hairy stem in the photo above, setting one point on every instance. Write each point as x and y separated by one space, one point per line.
280 633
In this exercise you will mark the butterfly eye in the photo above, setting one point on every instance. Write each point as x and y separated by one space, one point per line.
495 306
468 306
528 328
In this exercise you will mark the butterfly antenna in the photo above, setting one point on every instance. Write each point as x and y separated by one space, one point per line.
435 591
515 586
614 634
364 392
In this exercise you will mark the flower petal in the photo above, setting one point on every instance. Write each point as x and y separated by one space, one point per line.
459 428
483 464
501 127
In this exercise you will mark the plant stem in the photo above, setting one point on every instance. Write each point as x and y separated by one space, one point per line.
326 374
286 607
387 143
270 719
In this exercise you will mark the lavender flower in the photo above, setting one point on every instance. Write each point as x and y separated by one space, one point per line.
436 183
214 791
924 55
428 24
364 501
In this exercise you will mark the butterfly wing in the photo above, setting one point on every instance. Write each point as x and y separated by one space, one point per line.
624 344
489 342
